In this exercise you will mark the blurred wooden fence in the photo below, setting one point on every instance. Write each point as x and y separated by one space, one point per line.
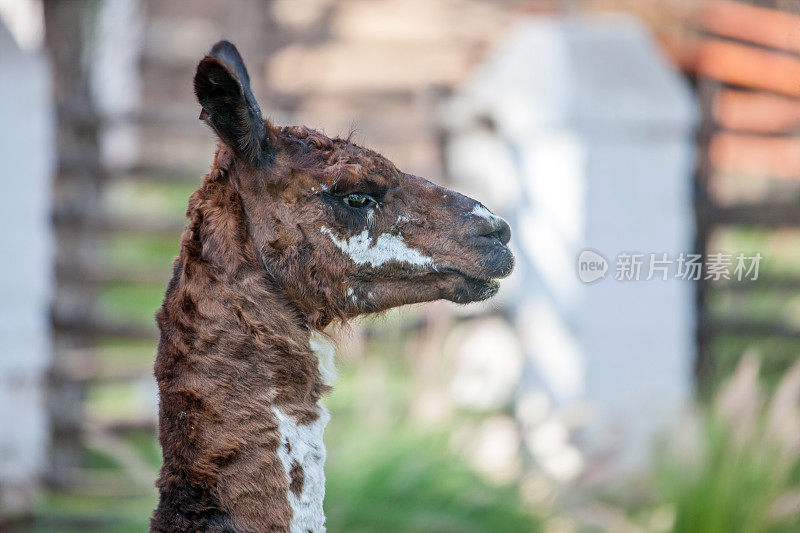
77 196
174 149
747 62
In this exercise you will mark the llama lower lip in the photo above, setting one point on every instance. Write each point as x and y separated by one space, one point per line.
501 262
474 290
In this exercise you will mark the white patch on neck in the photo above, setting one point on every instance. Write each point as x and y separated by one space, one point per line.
387 247
323 349
482 212
303 444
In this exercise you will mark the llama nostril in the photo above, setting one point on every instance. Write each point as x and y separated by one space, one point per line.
503 231
496 228
491 225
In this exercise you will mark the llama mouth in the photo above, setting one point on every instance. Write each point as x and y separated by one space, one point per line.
497 264
479 281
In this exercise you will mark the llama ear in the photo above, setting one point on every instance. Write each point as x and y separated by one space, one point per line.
222 87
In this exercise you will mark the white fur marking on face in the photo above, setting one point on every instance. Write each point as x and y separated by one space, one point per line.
482 212
403 218
326 362
308 450
387 247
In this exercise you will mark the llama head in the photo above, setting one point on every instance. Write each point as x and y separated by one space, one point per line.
339 227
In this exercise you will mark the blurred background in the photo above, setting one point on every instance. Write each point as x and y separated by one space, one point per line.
606 132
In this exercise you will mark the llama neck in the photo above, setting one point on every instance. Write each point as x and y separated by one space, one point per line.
240 423
241 426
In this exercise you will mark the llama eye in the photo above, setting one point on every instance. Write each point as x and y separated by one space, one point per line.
359 201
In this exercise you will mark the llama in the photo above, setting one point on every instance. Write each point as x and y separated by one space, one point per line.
289 232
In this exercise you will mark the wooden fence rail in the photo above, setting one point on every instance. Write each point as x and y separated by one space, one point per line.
747 65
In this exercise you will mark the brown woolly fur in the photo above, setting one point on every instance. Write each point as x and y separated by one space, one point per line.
290 231
231 347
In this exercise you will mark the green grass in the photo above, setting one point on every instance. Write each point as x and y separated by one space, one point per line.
403 482
730 488
385 475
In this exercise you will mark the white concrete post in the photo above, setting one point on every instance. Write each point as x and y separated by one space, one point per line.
580 133
26 152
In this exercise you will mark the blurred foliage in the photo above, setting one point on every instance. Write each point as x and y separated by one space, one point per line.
738 468
729 490
409 483
386 475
